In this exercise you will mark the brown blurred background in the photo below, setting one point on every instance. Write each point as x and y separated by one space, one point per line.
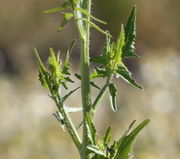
27 128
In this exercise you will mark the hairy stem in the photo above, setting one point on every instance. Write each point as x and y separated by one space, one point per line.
85 79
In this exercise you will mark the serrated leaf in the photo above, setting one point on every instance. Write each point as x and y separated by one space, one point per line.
95 150
64 6
113 92
107 136
66 19
67 95
65 68
130 36
125 148
60 119
123 72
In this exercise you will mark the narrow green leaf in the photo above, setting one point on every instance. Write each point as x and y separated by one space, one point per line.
64 6
100 96
43 74
41 65
66 19
65 68
94 85
125 147
113 92
130 36
67 95
95 150
68 79
79 125
130 126
120 44
123 72
91 82
85 12
95 26
107 136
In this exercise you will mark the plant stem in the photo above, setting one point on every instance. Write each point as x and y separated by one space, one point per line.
85 79
69 125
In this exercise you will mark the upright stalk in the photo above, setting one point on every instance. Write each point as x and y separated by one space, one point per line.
57 75
85 79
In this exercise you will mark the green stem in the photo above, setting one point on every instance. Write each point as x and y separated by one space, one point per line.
85 79
68 123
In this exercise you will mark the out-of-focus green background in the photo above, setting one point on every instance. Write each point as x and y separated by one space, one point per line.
27 128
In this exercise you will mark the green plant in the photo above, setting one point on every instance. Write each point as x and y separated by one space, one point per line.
110 65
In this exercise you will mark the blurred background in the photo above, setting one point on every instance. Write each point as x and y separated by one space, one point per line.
28 129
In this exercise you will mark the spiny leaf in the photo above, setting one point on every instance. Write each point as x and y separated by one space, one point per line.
125 147
66 19
123 72
64 6
130 36
67 95
113 92
107 136
65 68
60 118
87 14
